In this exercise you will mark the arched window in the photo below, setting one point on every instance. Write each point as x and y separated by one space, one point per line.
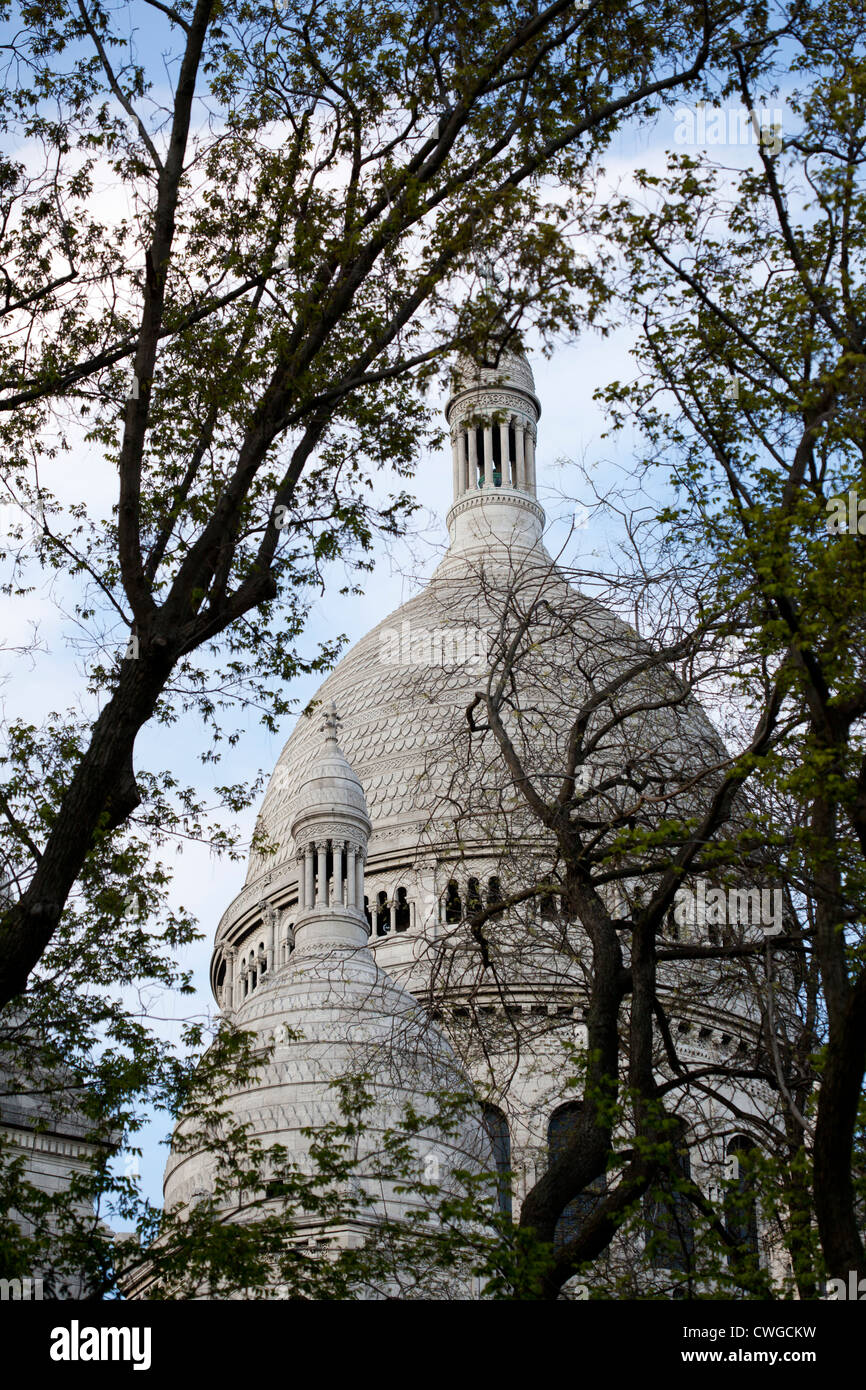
453 905
548 907
668 1212
473 896
402 911
561 1129
383 914
741 1206
368 914
494 892
497 1127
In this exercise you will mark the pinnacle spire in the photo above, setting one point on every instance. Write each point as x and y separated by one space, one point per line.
330 725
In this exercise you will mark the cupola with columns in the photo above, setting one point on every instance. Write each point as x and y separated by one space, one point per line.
493 414
330 829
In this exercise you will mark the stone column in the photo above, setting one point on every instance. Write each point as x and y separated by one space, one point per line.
505 462
335 898
472 461
229 979
530 460
520 465
272 940
309 879
462 464
392 916
351 874
455 464
322 873
488 456
302 887
359 880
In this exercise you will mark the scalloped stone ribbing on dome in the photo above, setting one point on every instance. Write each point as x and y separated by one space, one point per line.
405 705
512 370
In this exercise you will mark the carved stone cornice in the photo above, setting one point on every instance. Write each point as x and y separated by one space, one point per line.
473 403
503 495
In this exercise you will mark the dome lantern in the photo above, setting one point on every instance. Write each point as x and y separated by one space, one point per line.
330 828
492 414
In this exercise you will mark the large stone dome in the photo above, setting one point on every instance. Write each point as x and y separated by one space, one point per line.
448 817
404 688
329 1015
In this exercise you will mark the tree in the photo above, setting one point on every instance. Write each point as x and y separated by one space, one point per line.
748 289
248 345
592 800
250 341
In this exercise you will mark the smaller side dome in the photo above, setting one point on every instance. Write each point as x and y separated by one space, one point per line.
331 830
330 1013
511 371
332 786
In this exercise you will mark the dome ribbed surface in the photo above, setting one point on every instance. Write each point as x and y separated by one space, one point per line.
350 1018
331 784
512 369
403 725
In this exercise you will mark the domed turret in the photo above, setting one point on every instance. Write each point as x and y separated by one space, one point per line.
330 829
493 413
330 1013
511 372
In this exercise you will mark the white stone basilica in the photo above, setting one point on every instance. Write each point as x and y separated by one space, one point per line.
390 825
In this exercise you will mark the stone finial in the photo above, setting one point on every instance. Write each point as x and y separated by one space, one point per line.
331 723
487 273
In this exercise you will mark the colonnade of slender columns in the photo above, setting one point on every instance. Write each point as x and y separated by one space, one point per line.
347 875
518 472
